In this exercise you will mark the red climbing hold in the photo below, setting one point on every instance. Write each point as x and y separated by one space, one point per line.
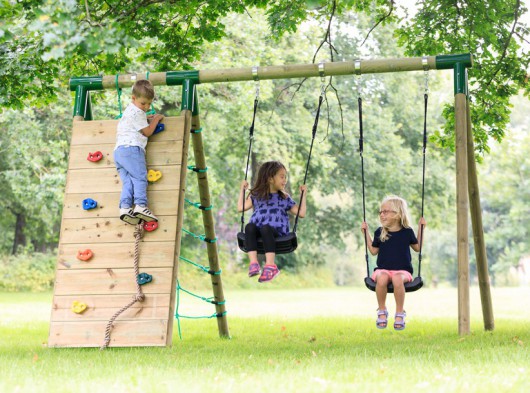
84 255
150 226
95 157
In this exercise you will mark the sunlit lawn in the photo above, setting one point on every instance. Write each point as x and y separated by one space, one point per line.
285 341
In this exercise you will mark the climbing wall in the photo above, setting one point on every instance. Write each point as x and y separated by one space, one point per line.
106 282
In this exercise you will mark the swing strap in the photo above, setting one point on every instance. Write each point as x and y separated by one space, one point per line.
425 100
361 145
250 139
315 127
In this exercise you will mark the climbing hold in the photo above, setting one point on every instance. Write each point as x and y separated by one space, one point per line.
95 157
159 128
89 204
153 176
84 255
150 226
78 307
144 278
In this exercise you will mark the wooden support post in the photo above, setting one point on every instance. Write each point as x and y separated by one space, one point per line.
478 230
462 205
208 221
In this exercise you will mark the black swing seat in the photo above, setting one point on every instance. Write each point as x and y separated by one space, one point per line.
284 244
410 286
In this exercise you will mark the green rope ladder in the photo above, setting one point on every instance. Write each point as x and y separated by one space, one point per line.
201 267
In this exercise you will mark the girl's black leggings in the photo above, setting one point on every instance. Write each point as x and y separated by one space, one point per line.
267 234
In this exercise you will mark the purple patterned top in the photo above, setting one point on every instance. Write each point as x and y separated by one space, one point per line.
272 212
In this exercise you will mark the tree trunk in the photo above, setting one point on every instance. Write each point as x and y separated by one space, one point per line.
20 237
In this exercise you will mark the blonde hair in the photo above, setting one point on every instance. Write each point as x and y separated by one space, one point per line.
399 205
143 89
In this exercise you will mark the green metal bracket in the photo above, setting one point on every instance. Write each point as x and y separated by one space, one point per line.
88 82
178 77
460 78
188 95
446 62
82 103
195 111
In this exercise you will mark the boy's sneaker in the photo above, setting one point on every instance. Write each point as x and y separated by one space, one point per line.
269 272
126 214
143 213
254 269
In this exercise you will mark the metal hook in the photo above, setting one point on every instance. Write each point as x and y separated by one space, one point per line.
358 74
321 72
256 79
425 63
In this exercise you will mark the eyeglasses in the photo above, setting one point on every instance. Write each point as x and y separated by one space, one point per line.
385 212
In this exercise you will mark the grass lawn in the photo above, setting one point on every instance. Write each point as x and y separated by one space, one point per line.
285 341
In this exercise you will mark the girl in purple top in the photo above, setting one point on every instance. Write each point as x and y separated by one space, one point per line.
270 219
392 243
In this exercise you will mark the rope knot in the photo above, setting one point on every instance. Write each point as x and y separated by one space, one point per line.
139 231
139 297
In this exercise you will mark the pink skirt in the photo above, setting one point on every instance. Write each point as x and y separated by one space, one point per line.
406 275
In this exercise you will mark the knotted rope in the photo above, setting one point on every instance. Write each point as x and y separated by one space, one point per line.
139 296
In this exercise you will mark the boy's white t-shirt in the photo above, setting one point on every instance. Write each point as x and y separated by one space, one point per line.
132 121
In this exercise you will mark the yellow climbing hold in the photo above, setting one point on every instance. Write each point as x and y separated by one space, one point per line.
78 307
153 176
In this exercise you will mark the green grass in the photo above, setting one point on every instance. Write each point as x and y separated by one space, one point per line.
279 352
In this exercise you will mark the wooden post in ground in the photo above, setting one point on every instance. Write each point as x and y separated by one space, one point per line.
478 229
207 215
462 206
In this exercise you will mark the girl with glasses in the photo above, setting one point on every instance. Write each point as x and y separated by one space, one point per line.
392 243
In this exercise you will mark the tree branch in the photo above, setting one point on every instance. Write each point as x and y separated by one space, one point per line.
507 43
379 21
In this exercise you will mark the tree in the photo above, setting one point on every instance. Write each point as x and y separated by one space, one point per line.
33 160
41 41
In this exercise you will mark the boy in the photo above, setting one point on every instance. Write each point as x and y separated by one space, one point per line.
129 153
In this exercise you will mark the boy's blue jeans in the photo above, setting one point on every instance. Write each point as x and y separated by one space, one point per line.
131 165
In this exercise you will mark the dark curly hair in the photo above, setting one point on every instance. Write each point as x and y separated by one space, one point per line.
267 170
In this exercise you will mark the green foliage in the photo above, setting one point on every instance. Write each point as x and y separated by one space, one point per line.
505 197
34 146
44 42
28 272
41 41
493 33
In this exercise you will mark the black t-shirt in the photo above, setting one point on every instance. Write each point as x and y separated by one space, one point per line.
394 252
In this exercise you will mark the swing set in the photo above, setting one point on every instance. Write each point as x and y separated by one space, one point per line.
466 177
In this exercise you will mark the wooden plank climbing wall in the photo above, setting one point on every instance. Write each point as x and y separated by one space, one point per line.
106 282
